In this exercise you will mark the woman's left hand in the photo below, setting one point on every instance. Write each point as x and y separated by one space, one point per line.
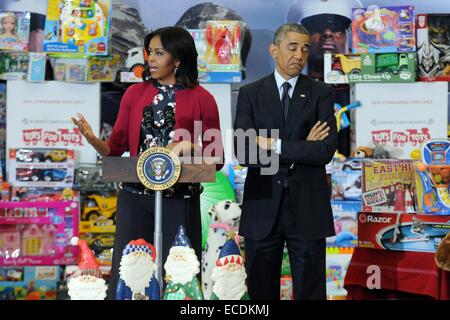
183 148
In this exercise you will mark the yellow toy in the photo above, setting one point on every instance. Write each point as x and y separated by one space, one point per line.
223 39
98 207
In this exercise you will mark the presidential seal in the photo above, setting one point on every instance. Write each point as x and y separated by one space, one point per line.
158 168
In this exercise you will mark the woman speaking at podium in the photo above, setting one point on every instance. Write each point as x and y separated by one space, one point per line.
161 111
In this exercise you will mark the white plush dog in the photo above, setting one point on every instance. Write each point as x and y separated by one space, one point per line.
225 216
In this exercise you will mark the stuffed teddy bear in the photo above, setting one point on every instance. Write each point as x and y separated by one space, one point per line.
362 152
442 255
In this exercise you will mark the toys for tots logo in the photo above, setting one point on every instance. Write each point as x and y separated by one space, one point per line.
362 218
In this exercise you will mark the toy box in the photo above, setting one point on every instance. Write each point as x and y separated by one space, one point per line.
345 223
338 67
383 29
432 178
398 116
387 186
29 283
286 288
30 194
433 47
38 233
219 48
36 70
102 68
337 261
14 65
402 232
102 245
78 26
35 167
69 69
386 67
98 212
346 179
14 30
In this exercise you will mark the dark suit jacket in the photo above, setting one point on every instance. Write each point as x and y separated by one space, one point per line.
259 107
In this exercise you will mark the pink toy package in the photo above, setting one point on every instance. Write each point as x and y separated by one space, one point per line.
38 233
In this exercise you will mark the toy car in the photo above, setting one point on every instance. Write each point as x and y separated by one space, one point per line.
55 156
97 205
391 63
54 174
24 155
135 61
26 174
99 242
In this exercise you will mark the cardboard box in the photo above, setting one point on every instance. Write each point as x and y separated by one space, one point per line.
402 232
398 116
29 283
346 179
337 262
433 47
338 67
386 67
345 223
16 39
387 186
383 29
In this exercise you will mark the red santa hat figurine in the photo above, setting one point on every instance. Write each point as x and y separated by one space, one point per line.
87 282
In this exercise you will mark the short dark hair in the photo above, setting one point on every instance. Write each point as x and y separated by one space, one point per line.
180 44
288 27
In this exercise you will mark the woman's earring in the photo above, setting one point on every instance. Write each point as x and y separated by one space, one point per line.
176 70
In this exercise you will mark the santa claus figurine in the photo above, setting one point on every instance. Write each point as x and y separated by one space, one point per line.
181 268
137 267
87 282
229 275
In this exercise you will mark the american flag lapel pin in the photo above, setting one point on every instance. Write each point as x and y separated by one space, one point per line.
302 95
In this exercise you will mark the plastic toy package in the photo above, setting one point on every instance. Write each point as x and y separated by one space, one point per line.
336 267
37 167
43 194
14 65
14 30
102 68
387 186
236 176
102 245
98 212
345 223
38 233
78 26
383 29
29 283
432 178
433 47
346 179
67 68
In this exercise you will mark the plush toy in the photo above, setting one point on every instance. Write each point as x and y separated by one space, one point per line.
362 152
225 216
442 255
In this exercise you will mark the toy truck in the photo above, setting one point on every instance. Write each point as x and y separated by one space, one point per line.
391 62
347 65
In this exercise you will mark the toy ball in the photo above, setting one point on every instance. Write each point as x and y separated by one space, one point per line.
422 167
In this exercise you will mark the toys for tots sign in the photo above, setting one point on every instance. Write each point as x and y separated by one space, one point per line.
39 115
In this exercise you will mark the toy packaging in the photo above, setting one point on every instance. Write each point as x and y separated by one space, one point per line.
386 67
38 233
29 283
102 245
346 179
78 26
433 47
286 288
398 117
14 65
345 223
37 66
338 67
66 68
387 186
432 178
43 194
98 212
402 232
219 48
14 30
236 176
35 167
337 261
102 68
383 29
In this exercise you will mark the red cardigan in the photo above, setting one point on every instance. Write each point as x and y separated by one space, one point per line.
195 104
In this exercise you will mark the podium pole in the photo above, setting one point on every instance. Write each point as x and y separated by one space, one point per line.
157 238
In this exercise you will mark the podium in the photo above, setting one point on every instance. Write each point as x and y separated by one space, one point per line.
125 169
